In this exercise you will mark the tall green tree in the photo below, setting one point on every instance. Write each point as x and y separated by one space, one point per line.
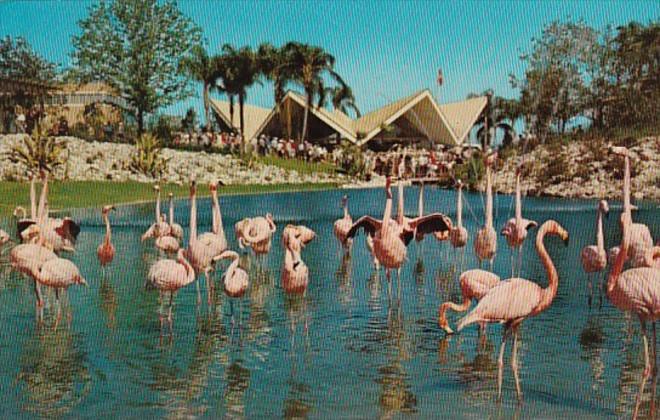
309 65
341 97
138 47
499 116
19 61
241 67
203 68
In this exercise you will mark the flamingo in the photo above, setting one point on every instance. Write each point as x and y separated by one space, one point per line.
168 276
59 274
256 233
391 237
168 244
458 235
4 238
106 251
295 274
23 222
175 229
485 244
594 258
235 278
160 226
640 236
202 249
636 290
217 226
515 229
474 285
514 300
343 225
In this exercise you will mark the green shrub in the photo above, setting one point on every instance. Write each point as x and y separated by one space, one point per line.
147 158
38 152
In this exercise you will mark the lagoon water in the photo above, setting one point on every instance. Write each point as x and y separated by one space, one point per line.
353 346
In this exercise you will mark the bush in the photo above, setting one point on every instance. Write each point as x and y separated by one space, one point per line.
38 152
147 158
472 171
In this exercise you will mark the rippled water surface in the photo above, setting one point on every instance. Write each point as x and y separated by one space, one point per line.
353 346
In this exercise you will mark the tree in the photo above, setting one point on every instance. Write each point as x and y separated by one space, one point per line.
273 64
309 64
189 121
203 68
138 47
19 61
241 67
500 115
555 80
341 98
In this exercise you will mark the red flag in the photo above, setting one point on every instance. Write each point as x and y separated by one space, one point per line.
440 77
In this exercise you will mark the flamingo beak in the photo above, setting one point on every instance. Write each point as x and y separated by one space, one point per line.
296 264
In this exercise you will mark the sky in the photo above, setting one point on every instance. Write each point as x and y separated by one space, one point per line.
385 50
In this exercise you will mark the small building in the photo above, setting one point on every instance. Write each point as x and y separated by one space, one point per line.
71 101
416 119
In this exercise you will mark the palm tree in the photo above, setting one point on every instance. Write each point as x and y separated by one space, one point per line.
341 97
242 71
499 114
308 65
273 64
201 67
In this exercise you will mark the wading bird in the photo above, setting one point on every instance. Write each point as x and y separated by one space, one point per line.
594 257
636 290
256 233
485 243
474 285
458 235
106 251
514 300
295 274
160 227
343 225
515 229
175 229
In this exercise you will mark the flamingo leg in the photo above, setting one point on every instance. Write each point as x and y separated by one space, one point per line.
591 290
514 363
519 260
37 291
654 372
59 308
490 262
199 294
647 369
600 290
500 363
209 287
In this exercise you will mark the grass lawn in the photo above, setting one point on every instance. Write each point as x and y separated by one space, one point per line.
301 166
79 194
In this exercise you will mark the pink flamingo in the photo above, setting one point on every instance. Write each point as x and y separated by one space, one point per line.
23 222
168 244
59 274
343 225
106 251
391 237
640 236
256 233
175 229
458 235
235 278
202 249
594 258
636 290
160 226
474 285
515 229
168 276
4 238
295 274
485 244
514 300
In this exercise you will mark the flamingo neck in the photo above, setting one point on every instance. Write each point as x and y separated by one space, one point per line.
346 215
600 238
518 199
193 217
108 232
233 266
387 215
617 267
459 207
549 292
626 186
189 269
42 214
33 200
489 198
218 228
400 206
158 206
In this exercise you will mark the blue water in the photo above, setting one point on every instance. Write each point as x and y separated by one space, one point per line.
353 346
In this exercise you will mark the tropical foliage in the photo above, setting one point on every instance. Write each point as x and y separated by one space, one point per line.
138 47
147 158
38 152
